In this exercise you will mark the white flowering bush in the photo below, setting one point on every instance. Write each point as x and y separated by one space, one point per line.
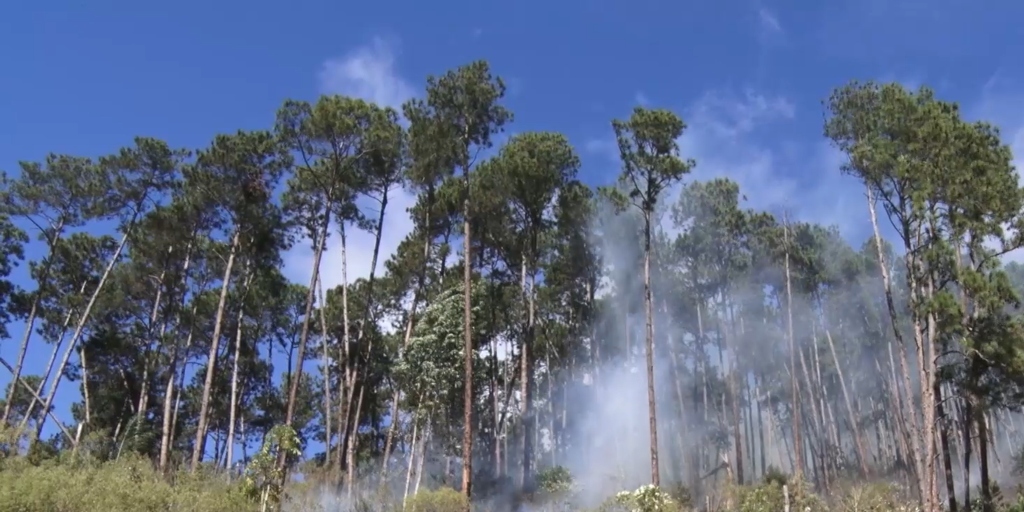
647 498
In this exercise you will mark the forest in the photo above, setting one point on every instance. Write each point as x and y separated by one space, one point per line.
536 342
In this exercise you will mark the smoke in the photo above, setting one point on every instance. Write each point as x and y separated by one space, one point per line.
593 418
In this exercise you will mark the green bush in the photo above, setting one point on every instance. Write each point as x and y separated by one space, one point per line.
877 497
554 480
444 499
770 497
126 485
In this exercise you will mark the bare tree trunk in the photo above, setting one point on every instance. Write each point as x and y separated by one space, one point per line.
526 377
80 328
211 361
914 445
47 411
858 441
346 348
166 424
85 385
31 321
295 376
233 405
467 327
947 460
409 324
649 313
353 443
798 449
326 361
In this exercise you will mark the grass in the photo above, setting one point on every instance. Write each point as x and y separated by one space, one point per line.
130 484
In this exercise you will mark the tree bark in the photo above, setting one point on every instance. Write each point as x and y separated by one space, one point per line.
211 362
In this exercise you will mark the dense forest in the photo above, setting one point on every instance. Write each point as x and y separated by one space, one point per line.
654 330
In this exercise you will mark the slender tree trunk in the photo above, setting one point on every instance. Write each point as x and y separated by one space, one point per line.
798 447
366 318
80 328
914 445
353 443
211 361
346 347
31 321
467 327
326 361
35 395
233 406
526 380
166 424
986 486
409 324
295 375
649 312
858 440
947 460
49 365
85 385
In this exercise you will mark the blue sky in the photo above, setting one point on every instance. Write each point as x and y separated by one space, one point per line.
748 76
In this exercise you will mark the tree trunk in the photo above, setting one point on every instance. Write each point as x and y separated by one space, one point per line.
233 404
211 362
49 366
326 361
858 441
30 322
80 328
467 307
526 378
649 313
798 447
166 427
295 375
410 322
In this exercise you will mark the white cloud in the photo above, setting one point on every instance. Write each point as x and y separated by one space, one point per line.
726 136
801 178
769 21
367 72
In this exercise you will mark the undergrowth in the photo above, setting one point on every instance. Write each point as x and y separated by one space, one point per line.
130 484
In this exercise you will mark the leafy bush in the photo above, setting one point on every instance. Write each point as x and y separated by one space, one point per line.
647 498
444 499
878 497
775 475
555 480
125 485
770 497
680 494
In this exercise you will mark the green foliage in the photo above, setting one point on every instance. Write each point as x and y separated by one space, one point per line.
556 479
126 485
774 475
444 499
263 477
876 497
647 498
770 497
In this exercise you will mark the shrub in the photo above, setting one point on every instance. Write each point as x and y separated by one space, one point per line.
647 498
555 480
878 497
125 485
444 499
770 497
